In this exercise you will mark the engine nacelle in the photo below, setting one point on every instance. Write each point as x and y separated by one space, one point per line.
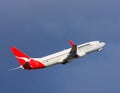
81 54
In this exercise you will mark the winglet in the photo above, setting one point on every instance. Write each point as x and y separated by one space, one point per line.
72 43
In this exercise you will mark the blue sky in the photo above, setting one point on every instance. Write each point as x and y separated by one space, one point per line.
42 27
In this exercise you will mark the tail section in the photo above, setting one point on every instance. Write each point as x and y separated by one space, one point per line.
25 61
21 57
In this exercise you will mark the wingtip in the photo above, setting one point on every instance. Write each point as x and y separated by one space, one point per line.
72 43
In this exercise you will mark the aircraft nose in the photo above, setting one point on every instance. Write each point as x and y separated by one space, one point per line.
103 43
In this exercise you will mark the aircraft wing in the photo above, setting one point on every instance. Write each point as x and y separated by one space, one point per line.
72 54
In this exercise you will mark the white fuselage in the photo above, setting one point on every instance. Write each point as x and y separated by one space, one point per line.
82 50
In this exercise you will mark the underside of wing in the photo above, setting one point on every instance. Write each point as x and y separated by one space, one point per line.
72 54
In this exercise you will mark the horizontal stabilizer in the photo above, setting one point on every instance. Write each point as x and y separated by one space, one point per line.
15 68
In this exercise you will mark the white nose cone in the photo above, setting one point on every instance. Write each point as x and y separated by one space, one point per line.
103 44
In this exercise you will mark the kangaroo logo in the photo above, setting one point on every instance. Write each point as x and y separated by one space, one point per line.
24 58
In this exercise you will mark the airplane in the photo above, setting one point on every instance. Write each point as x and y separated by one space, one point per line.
62 57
